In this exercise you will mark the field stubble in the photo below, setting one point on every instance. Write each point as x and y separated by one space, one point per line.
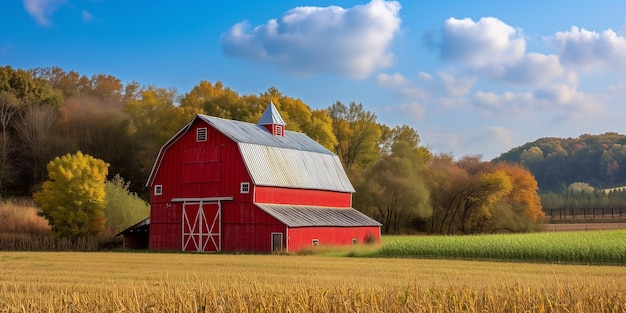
147 282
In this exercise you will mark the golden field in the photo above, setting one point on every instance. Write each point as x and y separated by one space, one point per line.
153 282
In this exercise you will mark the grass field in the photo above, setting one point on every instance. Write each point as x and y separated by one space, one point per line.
147 282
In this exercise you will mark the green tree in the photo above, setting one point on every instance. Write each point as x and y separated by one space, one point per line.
74 197
394 190
358 135
124 208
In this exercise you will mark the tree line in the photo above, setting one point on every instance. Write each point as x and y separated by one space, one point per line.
48 112
598 160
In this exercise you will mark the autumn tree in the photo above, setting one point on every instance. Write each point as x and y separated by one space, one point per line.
524 190
73 197
28 89
394 190
101 128
358 135
215 100
154 119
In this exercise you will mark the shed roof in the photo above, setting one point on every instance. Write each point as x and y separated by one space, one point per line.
307 216
141 226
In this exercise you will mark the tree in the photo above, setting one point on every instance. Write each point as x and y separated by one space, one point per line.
74 197
394 190
154 119
101 129
9 106
34 128
358 135
123 207
523 200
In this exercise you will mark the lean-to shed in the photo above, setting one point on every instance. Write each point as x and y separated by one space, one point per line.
227 185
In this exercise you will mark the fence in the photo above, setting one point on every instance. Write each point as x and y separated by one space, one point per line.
586 214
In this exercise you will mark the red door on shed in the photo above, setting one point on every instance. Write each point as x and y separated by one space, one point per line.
202 227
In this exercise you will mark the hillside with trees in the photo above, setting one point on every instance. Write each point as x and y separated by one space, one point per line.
47 113
598 160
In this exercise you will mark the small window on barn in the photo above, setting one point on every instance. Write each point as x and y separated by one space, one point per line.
279 130
201 134
315 242
245 188
158 190
355 241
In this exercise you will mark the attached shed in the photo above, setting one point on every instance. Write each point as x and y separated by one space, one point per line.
224 185
136 236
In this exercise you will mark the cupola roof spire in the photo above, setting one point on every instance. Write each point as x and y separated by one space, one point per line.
271 116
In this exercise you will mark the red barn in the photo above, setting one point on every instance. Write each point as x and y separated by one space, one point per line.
223 185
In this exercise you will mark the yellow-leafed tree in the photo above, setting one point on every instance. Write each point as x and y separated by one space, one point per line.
74 197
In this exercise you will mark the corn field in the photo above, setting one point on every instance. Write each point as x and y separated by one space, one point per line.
146 282
594 247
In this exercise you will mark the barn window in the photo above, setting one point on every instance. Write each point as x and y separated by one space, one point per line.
315 242
158 190
201 134
279 130
245 188
355 241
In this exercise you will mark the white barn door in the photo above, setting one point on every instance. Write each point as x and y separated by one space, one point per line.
202 225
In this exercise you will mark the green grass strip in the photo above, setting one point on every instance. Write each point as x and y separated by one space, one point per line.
592 247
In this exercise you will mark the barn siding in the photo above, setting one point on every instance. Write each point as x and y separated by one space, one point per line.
190 169
247 228
278 195
302 237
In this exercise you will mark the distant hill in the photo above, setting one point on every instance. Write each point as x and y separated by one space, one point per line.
599 160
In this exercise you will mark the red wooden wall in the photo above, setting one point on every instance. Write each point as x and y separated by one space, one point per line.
248 228
302 237
191 169
279 195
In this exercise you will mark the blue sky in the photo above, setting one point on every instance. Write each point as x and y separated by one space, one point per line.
472 77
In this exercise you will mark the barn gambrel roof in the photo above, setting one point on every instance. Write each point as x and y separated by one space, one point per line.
292 161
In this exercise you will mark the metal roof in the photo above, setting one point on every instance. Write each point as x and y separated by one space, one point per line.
307 216
143 225
242 132
294 161
271 116
280 167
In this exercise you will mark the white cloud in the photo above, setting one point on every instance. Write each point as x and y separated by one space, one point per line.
515 103
618 88
401 85
590 51
495 50
87 17
481 44
444 84
413 110
41 10
457 86
352 42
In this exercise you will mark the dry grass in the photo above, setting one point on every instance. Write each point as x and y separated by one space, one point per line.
145 282
20 216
